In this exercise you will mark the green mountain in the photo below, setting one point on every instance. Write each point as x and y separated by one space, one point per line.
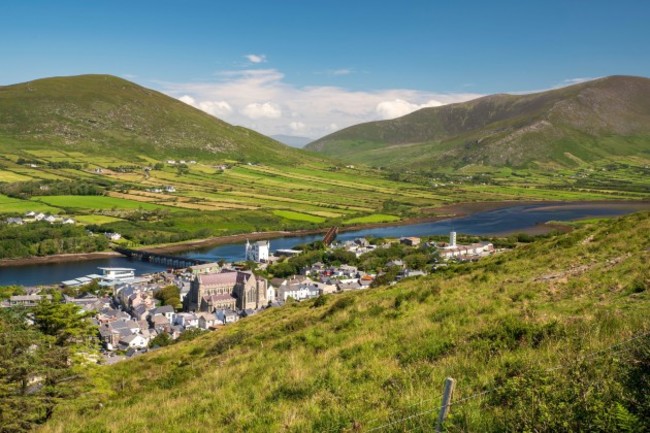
106 115
603 118
532 348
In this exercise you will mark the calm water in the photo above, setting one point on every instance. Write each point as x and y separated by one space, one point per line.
507 219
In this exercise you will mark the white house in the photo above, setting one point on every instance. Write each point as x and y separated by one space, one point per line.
270 293
226 316
68 221
113 236
207 320
299 291
39 216
135 341
187 320
258 251
165 310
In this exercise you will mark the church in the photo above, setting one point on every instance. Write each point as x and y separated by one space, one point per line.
226 290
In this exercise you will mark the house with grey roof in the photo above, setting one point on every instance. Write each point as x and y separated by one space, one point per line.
165 310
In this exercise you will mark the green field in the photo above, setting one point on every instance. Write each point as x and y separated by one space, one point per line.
96 219
297 216
10 205
93 202
374 218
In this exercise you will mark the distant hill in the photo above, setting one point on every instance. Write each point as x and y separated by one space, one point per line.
607 117
104 114
292 140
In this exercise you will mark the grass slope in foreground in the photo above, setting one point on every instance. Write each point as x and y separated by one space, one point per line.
532 326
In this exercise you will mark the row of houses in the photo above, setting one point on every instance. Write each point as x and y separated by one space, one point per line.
31 217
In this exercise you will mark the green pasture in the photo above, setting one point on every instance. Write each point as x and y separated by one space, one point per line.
297 216
10 176
9 205
96 219
374 218
94 202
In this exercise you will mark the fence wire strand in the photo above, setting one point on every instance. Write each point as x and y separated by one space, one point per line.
483 393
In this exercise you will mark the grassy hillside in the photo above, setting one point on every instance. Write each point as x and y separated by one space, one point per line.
106 115
96 148
606 118
547 337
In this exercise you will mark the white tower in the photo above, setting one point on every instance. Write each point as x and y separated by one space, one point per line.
262 248
258 251
248 255
452 239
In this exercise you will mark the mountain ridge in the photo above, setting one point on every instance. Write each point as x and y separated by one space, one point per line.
504 129
99 112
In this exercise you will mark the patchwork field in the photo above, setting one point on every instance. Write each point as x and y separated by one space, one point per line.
374 218
151 201
93 202
10 205
297 216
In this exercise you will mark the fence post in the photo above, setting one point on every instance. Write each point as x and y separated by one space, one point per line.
450 384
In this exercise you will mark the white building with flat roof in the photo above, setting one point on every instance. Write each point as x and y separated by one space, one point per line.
117 275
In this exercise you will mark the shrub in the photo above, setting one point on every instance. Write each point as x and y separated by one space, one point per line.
339 305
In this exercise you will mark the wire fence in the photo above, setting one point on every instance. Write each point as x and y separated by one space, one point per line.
612 348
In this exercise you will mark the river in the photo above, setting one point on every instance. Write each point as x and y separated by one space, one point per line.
506 219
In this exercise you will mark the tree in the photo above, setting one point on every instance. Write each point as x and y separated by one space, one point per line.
67 323
8 291
32 367
161 340
169 295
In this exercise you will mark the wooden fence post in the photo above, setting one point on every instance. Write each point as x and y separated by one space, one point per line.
450 384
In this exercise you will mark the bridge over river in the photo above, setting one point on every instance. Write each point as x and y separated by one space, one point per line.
163 259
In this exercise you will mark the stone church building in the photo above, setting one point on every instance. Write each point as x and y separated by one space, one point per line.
226 290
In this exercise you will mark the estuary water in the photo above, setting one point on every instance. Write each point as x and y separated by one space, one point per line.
506 219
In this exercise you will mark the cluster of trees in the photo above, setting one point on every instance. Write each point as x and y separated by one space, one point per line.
25 190
50 164
169 295
8 291
373 261
37 360
42 239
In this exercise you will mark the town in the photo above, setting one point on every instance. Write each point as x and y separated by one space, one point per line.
134 314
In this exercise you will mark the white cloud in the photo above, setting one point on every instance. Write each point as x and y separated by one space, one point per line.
256 58
216 108
297 126
188 100
259 111
571 81
262 99
400 107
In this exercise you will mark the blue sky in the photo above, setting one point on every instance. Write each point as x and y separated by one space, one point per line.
310 67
